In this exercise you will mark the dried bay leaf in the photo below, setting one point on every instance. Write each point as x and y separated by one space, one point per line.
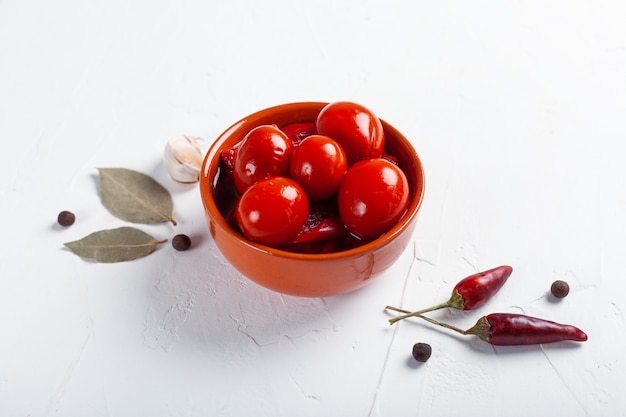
115 245
135 197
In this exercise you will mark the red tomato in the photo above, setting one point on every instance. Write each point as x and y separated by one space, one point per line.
373 196
264 152
297 132
356 128
318 164
272 211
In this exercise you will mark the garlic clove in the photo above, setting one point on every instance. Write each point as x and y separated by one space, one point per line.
183 157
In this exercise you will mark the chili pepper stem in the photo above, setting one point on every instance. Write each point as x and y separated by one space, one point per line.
442 324
399 310
482 329
455 301
418 312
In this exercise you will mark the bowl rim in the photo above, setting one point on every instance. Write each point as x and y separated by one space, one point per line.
212 157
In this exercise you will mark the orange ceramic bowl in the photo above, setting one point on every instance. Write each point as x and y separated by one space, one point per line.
308 275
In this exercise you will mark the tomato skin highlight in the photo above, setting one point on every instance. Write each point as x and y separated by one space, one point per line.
318 164
272 211
264 152
357 129
373 196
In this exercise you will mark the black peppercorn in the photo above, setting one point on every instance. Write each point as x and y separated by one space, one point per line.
181 242
559 289
421 352
66 218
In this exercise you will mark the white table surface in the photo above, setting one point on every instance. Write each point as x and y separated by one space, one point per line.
517 110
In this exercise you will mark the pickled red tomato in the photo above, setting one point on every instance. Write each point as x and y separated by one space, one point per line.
264 152
272 211
356 128
373 196
318 164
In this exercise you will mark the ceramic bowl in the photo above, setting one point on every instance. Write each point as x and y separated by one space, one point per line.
308 275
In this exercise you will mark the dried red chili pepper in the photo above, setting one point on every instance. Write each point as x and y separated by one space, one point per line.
469 293
518 329
509 329
476 289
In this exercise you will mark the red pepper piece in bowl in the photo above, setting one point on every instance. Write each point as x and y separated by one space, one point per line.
297 132
228 157
323 223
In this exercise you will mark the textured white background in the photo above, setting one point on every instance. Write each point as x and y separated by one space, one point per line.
516 108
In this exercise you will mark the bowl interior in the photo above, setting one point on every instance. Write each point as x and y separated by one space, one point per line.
277 265
395 143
